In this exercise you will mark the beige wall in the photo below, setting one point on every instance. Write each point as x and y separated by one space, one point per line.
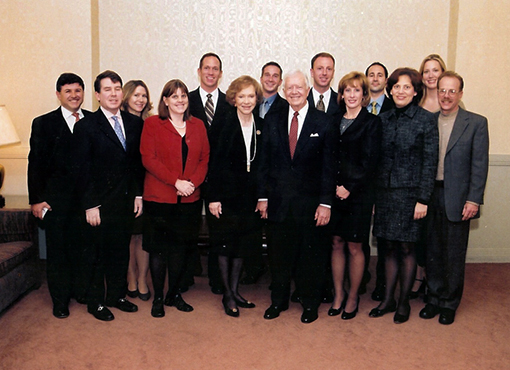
159 40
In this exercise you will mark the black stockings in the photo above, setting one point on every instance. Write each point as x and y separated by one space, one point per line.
230 269
158 265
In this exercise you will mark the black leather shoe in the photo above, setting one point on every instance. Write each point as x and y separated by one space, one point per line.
309 315
243 303
101 312
400 318
378 312
233 312
217 289
378 293
274 311
144 296
158 310
421 290
60 312
337 311
178 303
132 293
350 315
295 297
125 306
81 300
429 311
446 316
327 296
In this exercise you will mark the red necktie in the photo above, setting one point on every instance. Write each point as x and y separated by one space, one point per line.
293 134
76 116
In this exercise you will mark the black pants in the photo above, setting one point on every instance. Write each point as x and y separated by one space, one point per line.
446 254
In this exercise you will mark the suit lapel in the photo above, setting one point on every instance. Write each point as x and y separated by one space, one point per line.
308 129
459 126
283 130
107 129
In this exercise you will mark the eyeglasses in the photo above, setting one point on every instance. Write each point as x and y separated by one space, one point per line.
450 91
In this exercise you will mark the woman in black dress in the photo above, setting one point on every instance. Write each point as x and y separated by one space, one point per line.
405 180
232 187
358 152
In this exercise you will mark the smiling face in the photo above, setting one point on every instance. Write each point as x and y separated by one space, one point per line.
403 91
376 79
296 91
449 100
322 73
431 72
137 101
245 100
353 95
177 103
110 95
270 80
71 96
210 73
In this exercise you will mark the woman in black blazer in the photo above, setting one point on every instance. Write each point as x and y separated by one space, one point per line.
358 152
405 180
232 185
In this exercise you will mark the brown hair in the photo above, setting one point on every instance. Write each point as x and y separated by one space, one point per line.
348 80
414 76
452 74
241 83
128 90
170 88
322 55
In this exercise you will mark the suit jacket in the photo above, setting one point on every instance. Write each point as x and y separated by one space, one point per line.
196 108
278 104
161 149
409 151
108 175
228 177
50 165
333 106
358 152
387 104
466 163
309 177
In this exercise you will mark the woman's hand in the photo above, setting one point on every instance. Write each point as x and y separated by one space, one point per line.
184 188
420 211
342 193
215 209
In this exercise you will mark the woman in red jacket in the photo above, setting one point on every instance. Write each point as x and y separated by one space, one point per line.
175 153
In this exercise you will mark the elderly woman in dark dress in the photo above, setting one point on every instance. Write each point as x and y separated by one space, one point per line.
232 185
358 152
405 180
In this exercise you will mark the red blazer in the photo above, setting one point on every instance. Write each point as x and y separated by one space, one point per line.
161 148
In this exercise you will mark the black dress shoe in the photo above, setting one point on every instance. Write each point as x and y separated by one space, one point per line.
243 303
274 311
337 311
217 289
446 316
253 277
144 296
421 290
81 300
125 306
401 318
378 312
327 296
158 310
350 315
233 312
429 311
60 312
101 312
309 315
295 297
132 293
378 293
178 303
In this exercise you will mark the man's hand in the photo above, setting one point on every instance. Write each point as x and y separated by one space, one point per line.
215 209
470 210
93 217
262 208
342 193
138 207
420 211
38 209
322 215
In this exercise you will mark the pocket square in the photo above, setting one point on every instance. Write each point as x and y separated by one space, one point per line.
314 135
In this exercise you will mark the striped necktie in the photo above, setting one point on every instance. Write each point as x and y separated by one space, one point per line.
209 109
118 131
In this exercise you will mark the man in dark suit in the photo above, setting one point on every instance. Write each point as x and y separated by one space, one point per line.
208 103
270 81
321 95
52 196
110 182
458 193
296 189
377 75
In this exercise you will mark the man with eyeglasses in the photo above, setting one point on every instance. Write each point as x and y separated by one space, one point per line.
458 194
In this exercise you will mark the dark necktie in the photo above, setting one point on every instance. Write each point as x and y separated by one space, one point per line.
209 109
320 104
118 131
293 134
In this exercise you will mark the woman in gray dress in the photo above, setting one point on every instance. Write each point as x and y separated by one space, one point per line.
405 181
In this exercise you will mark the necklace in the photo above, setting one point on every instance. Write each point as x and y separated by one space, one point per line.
181 127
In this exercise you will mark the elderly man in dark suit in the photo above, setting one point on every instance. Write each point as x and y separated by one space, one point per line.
296 190
460 184
321 94
208 103
52 196
110 182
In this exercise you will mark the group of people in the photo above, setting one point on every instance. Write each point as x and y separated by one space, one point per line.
312 168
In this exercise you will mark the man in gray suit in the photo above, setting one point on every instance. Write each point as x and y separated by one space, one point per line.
458 194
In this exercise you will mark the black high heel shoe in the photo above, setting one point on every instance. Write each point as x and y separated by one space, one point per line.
241 302
402 318
337 311
350 315
234 312
378 312
421 290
